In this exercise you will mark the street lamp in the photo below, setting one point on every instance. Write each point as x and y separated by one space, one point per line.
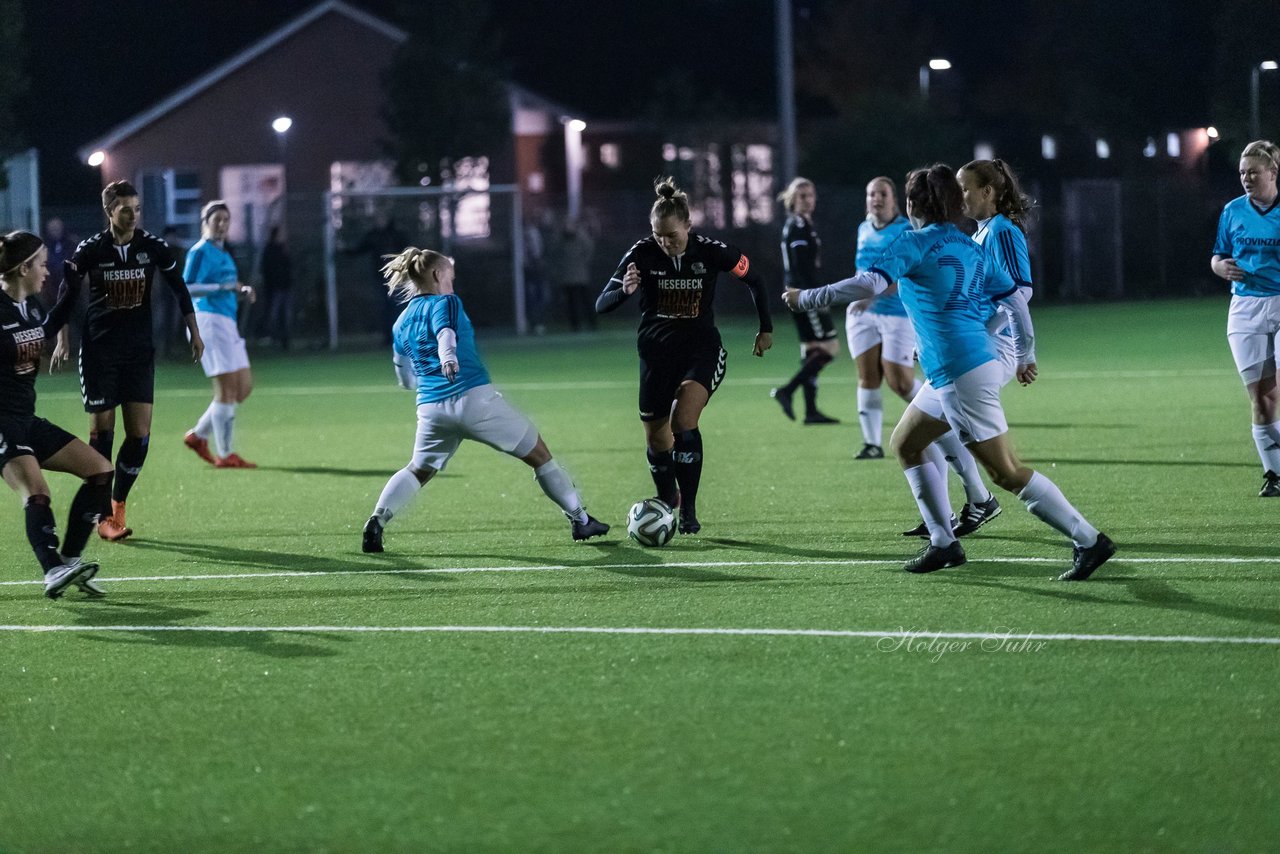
97 158
575 161
931 65
1255 126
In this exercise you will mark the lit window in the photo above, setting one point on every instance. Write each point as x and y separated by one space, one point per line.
1173 145
1103 149
1048 147
983 151
1150 150
471 182
609 154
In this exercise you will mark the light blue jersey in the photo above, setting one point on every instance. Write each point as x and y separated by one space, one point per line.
1004 246
1252 237
415 334
872 242
943 279
208 268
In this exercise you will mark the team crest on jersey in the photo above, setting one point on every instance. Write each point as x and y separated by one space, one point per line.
143 258
699 269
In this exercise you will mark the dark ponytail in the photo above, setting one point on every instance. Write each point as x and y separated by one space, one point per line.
935 194
16 248
1009 198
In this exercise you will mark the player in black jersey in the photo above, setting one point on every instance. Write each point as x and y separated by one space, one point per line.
29 444
681 358
801 259
117 356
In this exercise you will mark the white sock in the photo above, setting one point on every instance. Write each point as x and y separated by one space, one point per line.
933 455
1047 503
1267 438
965 466
915 389
558 486
224 423
930 491
399 491
204 427
871 415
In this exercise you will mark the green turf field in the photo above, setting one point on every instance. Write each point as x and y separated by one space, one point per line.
254 683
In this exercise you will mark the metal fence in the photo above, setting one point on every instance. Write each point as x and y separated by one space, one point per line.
1089 240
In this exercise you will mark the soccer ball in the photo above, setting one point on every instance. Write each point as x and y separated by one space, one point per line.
651 522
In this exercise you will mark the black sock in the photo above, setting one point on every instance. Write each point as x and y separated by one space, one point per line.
807 378
133 453
42 532
101 441
688 458
91 504
810 389
663 469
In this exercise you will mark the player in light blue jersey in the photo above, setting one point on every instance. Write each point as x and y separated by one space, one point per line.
881 340
1247 254
435 354
215 283
883 344
993 199
942 277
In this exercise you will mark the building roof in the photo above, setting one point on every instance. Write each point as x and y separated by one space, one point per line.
235 63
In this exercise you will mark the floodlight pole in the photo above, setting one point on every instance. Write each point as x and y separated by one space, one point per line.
1255 82
786 94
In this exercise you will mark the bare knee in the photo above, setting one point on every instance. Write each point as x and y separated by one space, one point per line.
423 474
902 388
1011 479
539 456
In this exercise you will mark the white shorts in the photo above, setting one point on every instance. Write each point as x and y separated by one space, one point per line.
971 404
224 351
893 332
481 414
1007 352
1252 326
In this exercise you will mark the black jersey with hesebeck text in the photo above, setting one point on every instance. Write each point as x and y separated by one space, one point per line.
120 281
22 338
677 294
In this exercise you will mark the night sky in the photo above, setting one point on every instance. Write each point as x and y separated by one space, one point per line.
1168 64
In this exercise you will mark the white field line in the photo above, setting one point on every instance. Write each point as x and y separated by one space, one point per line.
614 385
1012 640
375 569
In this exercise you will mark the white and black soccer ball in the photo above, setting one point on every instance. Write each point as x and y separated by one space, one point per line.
651 522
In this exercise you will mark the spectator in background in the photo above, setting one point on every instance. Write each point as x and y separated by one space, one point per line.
277 287
166 322
535 269
60 246
569 272
385 238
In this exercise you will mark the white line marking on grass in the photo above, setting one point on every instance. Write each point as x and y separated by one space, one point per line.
726 564
664 630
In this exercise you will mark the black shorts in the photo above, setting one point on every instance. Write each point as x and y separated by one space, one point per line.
107 380
661 375
814 325
30 436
